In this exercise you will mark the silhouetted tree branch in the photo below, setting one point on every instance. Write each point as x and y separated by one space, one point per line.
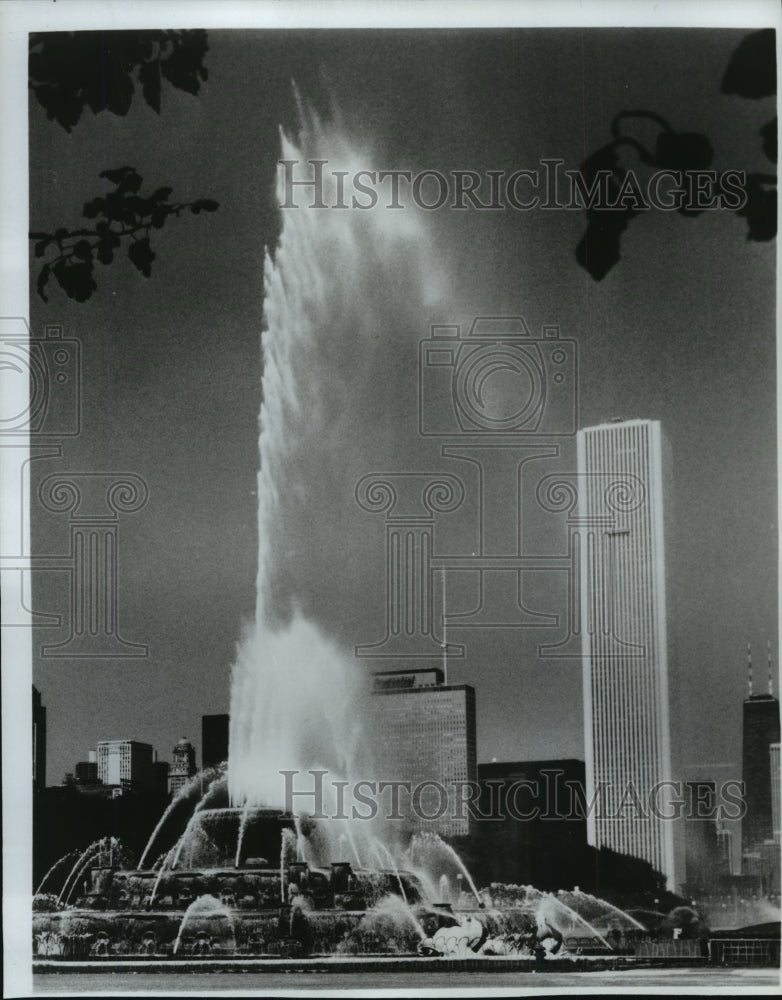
100 70
751 73
124 215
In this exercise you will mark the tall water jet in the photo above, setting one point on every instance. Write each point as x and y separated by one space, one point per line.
337 287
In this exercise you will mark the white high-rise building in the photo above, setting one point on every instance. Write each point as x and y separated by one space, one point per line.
623 476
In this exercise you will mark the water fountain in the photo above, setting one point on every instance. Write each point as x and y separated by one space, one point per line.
234 873
279 895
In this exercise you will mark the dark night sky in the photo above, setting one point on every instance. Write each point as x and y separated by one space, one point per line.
682 330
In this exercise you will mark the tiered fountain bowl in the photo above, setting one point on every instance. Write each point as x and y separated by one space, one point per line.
255 883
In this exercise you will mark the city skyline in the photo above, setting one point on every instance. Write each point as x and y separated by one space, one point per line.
640 354
424 738
399 418
412 742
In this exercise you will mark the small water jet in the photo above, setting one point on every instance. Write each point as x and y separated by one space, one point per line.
599 912
426 844
161 872
57 864
288 844
242 824
204 915
183 801
384 856
551 908
97 847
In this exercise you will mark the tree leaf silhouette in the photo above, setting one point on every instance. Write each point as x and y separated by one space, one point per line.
204 205
142 255
149 77
683 151
70 71
768 133
75 278
599 248
183 67
760 210
752 70
102 70
116 175
82 250
751 73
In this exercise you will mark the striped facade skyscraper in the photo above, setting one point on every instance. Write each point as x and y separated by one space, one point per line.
624 483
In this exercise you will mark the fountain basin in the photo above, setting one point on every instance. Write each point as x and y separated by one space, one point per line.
262 883
293 931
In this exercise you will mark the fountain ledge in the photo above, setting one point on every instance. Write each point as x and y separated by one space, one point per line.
378 963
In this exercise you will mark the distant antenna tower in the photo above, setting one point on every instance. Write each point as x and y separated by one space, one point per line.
445 638
768 651
749 667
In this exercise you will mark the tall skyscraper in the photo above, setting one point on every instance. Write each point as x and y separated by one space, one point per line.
776 820
39 742
624 482
214 740
424 731
760 729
